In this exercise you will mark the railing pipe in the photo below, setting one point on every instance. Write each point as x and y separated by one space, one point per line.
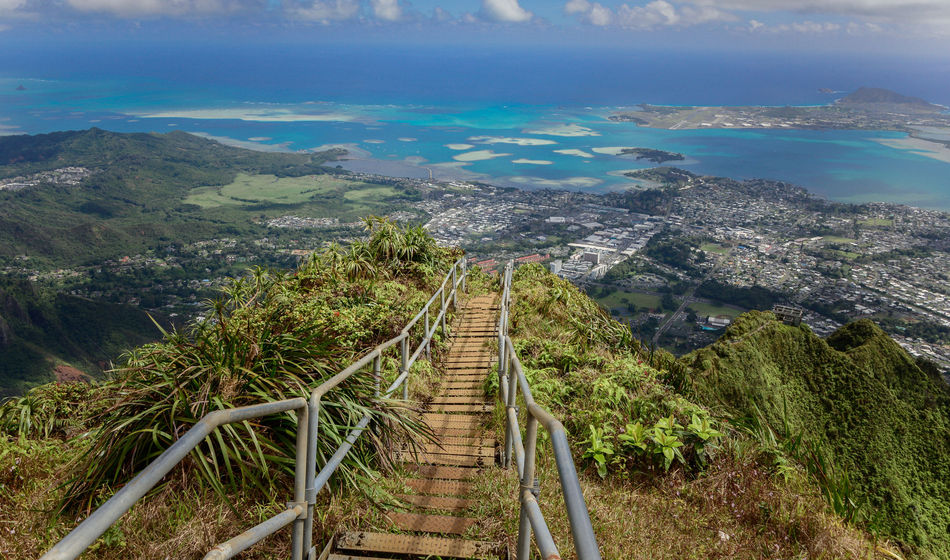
542 535
247 539
100 520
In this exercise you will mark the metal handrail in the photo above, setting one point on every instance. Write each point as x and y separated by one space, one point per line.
511 378
307 483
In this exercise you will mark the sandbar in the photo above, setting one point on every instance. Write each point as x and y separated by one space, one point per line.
532 161
459 147
573 152
478 155
565 130
506 140
374 141
256 115
919 146
566 183
610 150
408 139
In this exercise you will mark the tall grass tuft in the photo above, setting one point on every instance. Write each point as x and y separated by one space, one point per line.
271 336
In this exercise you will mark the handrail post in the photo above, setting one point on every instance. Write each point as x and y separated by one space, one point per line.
464 272
527 485
313 413
377 369
298 544
455 294
442 310
426 339
404 346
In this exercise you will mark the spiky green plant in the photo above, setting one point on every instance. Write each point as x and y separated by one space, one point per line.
270 337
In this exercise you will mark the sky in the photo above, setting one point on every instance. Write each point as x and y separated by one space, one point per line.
910 26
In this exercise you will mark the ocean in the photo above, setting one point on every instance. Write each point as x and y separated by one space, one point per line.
531 118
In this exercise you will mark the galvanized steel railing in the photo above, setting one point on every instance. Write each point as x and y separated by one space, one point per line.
307 482
511 378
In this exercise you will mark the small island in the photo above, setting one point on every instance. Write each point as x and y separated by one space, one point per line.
20 88
863 109
650 154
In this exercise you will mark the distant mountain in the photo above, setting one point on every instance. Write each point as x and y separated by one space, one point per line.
130 192
883 417
46 336
879 99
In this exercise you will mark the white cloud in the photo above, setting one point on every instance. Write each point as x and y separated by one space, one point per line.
508 11
661 13
326 11
10 5
883 11
144 8
577 7
388 10
594 13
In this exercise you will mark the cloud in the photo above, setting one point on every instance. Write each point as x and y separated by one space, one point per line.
326 11
594 13
388 10
507 11
661 13
882 11
10 5
145 8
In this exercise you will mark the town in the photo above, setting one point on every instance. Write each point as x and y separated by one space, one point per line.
677 262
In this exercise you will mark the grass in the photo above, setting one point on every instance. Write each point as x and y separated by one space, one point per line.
703 309
837 239
368 193
714 248
877 222
249 190
615 300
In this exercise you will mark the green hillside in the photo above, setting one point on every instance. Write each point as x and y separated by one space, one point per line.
40 330
134 195
675 456
858 397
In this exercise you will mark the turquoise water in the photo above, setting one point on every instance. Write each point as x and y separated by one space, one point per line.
411 139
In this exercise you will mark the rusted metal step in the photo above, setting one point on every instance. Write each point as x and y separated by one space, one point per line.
467 440
448 473
445 449
439 503
426 523
438 421
460 399
462 431
416 545
461 408
438 486
443 459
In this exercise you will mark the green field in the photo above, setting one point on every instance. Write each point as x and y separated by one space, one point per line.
708 309
877 222
714 248
615 300
369 193
249 190
836 239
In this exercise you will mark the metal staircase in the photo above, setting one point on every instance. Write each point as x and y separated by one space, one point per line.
441 507
440 523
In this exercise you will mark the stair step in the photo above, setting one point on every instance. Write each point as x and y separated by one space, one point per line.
445 449
416 545
436 486
467 440
459 399
461 408
425 523
443 459
437 502
437 421
449 473
462 431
